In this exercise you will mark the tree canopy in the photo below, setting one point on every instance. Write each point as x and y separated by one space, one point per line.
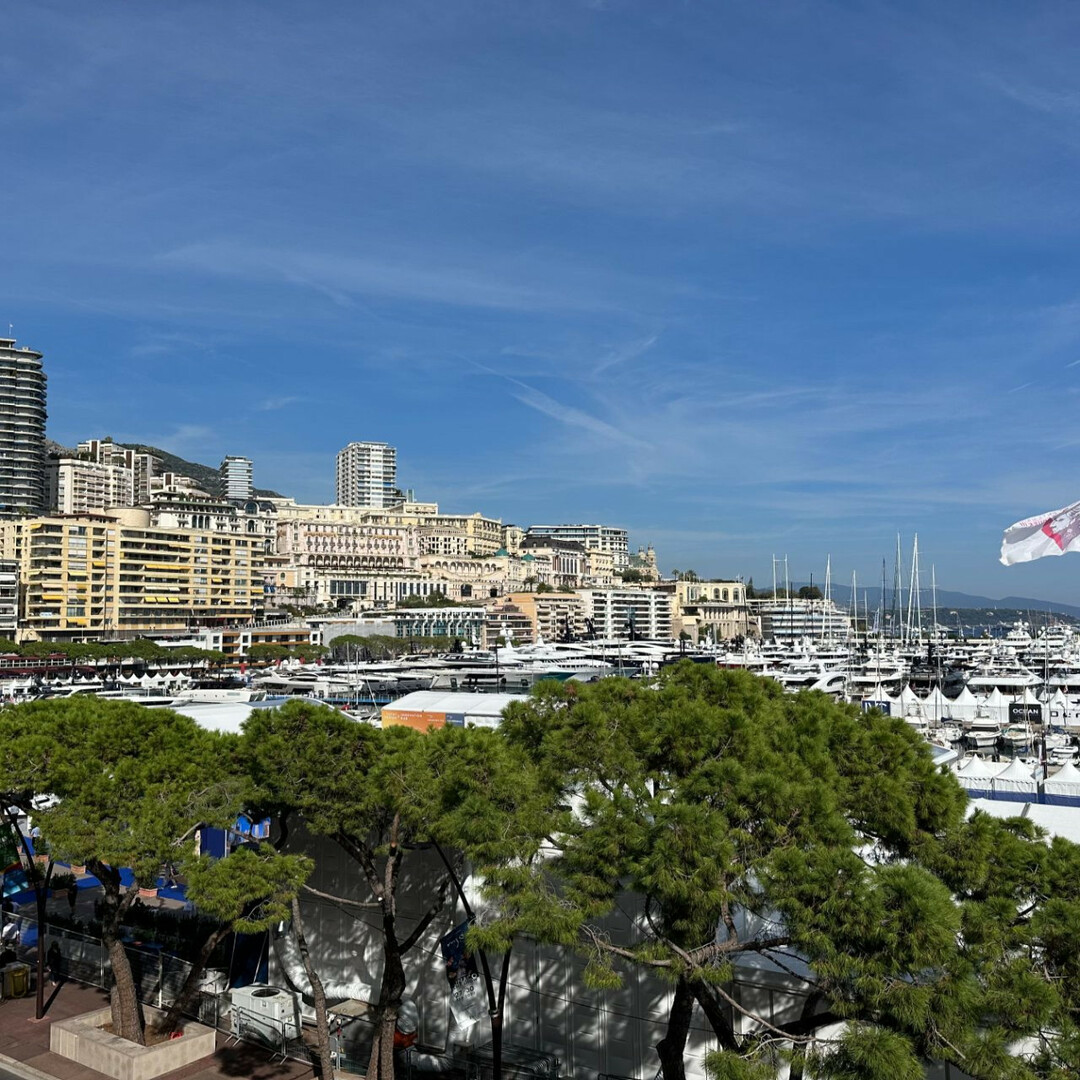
385 646
369 790
737 825
802 832
133 785
114 652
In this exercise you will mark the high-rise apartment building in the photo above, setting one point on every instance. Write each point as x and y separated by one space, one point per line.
144 467
367 475
102 474
9 599
75 486
237 484
22 430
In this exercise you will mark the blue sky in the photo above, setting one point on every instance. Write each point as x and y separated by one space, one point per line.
744 278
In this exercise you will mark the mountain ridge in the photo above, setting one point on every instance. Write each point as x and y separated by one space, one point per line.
948 599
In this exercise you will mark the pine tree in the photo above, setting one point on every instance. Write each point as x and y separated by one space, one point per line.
368 790
805 833
133 786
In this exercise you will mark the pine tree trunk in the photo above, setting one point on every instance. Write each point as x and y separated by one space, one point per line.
182 1002
391 991
41 892
497 1019
324 1066
127 1015
720 1019
672 1047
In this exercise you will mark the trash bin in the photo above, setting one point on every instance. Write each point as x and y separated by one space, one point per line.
16 980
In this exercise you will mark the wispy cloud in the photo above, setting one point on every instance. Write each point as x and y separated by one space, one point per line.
728 277
624 354
576 418
568 415
182 439
159 343
488 280
1054 102
272 403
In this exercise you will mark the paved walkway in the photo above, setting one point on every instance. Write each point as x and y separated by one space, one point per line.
25 1054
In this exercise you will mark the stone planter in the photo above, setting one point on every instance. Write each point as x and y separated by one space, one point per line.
82 1040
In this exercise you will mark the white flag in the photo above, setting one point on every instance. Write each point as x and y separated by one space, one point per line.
1046 534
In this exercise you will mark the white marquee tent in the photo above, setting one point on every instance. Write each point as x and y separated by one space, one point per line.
1016 782
977 775
1063 788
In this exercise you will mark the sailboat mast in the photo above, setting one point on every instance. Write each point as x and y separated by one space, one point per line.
933 593
881 610
791 610
854 608
827 598
898 594
914 616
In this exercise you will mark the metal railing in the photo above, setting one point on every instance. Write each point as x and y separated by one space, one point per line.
159 978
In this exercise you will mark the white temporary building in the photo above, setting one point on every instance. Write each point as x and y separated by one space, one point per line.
963 706
936 705
1056 707
880 698
435 708
997 705
1016 783
909 702
1063 788
1063 821
1030 699
976 775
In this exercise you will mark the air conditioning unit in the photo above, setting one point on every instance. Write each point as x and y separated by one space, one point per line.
265 1013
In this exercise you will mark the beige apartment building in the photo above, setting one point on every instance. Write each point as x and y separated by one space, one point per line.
552 616
115 575
73 486
439 534
181 508
326 557
379 556
464 577
713 609
99 475
507 623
